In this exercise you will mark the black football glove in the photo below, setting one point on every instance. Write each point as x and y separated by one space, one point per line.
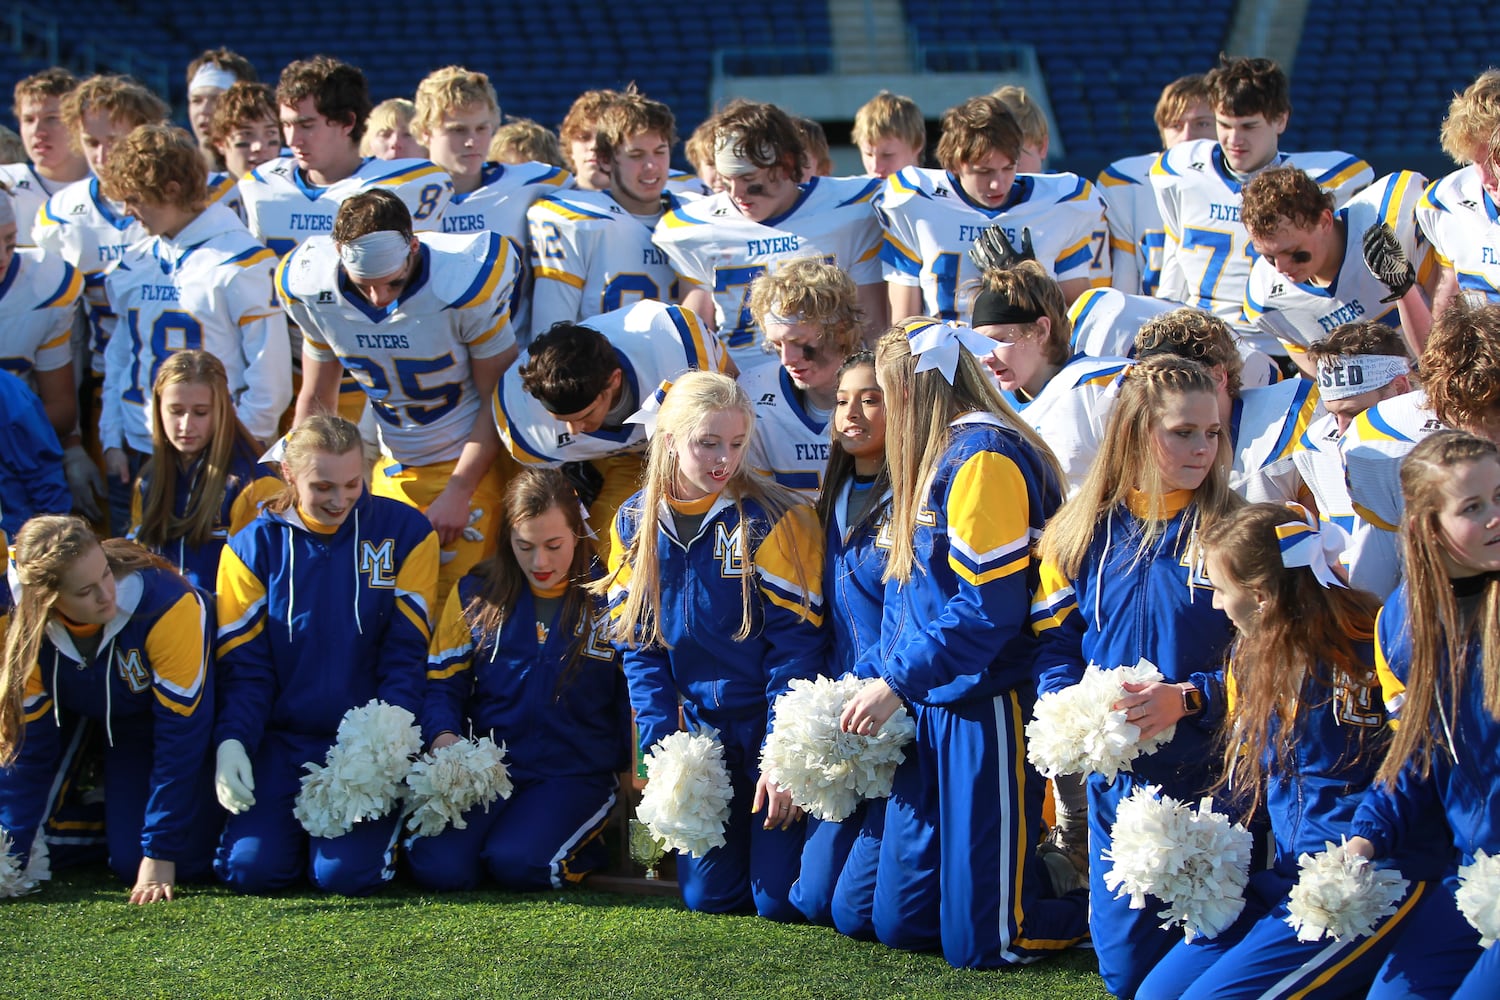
993 252
1387 261
587 481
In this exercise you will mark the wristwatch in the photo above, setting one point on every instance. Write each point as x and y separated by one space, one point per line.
1192 700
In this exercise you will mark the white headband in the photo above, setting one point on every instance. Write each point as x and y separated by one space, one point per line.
211 76
1351 374
729 163
776 319
375 255
7 208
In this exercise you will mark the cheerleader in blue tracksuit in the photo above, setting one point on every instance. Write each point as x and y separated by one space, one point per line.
204 481
853 505
323 605
1437 657
1120 581
109 633
1304 734
716 595
521 654
971 487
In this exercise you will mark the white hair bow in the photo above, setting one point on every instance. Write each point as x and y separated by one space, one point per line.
1315 545
650 410
936 345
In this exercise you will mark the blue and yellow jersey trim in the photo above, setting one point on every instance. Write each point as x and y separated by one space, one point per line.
864 194
695 340
553 274
1073 256
452 648
1304 407
987 544
789 564
416 584
1053 601
1342 172
1082 192
402 176
44 216
491 270
283 285
900 256
251 257
1103 376
1110 177
180 654
555 205
1161 168
241 603
899 184
68 289
1392 688
36 702
518 447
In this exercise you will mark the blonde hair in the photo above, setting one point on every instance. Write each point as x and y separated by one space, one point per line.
42 552
1439 632
322 433
818 292
119 98
141 165
1473 122
1028 286
889 116
1195 334
395 114
451 89
1127 463
692 399
159 523
1028 114
1175 100
630 114
699 148
920 407
522 140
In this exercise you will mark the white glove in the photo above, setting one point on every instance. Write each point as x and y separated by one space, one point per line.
234 781
471 533
85 481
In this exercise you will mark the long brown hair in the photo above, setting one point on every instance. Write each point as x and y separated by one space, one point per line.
1302 653
1438 630
43 551
1127 462
840 462
919 409
533 492
159 524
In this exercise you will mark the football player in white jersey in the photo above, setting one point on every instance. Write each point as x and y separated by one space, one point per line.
578 141
1264 424
1359 364
244 133
1310 275
1460 213
54 160
720 244
457 113
1207 255
208 77
571 402
1136 236
423 323
809 312
39 295
1062 394
201 282
889 133
593 249
932 217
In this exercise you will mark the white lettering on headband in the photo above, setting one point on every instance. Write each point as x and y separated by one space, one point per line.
212 77
1351 374
375 255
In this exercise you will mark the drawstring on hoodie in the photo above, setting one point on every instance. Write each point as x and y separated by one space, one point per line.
56 706
357 623
1109 528
109 731
291 580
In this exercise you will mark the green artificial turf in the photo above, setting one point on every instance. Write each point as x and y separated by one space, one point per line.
78 938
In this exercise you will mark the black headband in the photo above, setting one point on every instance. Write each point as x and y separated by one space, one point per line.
994 309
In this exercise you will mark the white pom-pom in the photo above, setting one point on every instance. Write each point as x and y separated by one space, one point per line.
686 801
362 774
1479 896
17 879
826 770
445 784
1078 730
1341 896
1195 861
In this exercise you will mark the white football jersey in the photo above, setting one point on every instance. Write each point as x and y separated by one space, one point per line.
1372 449
713 247
1106 320
1299 314
90 232
225 190
930 224
1072 409
654 343
29 191
38 298
411 357
1265 425
593 257
686 185
1463 225
1321 467
790 442
282 209
1136 235
208 288
1207 254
